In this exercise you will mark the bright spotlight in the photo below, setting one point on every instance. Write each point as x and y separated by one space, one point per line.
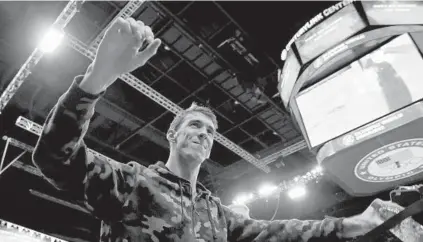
297 192
51 40
267 189
318 169
243 198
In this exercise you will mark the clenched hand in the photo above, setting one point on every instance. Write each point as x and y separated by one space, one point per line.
119 52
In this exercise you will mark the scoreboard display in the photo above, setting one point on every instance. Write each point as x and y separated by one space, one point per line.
377 84
393 12
333 30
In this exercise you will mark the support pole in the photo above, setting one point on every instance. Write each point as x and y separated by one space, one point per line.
4 152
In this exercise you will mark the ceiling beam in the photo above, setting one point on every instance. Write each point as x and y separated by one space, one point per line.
103 144
239 168
208 47
59 201
243 31
113 112
160 7
210 81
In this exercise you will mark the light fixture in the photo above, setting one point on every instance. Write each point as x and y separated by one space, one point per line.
243 198
51 40
317 169
297 192
267 189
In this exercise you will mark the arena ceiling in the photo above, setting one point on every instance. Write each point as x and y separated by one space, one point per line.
195 64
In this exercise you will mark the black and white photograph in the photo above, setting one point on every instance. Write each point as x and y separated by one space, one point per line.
211 121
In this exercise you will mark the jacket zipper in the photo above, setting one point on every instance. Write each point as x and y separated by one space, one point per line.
192 212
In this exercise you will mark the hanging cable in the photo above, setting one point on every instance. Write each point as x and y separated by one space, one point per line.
277 206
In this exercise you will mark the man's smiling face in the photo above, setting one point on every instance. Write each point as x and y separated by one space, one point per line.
194 137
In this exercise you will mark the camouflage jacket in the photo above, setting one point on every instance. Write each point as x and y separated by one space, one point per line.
137 203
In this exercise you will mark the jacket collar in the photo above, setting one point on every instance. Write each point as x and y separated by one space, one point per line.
161 169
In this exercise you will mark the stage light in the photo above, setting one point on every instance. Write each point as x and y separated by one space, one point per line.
243 198
297 192
51 40
317 169
267 189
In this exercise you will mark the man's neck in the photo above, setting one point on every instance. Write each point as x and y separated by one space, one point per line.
184 169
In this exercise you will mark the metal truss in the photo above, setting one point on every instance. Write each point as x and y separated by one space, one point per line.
284 152
64 18
36 172
36 129
126 12
61 22
8 141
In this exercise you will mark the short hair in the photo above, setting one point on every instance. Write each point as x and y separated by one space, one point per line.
178 119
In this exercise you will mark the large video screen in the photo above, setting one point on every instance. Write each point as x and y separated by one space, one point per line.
330 32
375 85
289 76
393 12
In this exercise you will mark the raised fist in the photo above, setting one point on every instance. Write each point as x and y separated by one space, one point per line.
119 51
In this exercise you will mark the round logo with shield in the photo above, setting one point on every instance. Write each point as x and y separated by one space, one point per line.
392 162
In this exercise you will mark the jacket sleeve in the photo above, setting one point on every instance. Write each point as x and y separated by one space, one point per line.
245 229
61 155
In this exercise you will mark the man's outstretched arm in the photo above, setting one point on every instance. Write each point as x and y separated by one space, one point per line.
243 229
61 154
329 229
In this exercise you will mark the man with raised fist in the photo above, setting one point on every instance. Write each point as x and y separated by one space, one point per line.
162 202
